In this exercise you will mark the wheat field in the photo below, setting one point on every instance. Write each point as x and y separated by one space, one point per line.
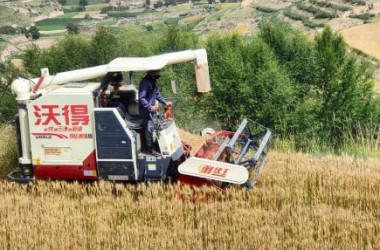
300 202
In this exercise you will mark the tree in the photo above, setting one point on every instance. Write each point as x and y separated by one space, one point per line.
33 59
8 104
293 50
104 46
158 4
83 4
149 28
70 53
175 38
72 28
247 82
306 90
346 88
34 32
31 32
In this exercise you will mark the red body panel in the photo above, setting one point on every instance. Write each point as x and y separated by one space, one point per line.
211 146
207 151
68 172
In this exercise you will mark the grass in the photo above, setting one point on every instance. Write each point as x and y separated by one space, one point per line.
51 27
108 22
193 20
221 12
67 15
3 41
8 16
96 7
240 29
222 6
179 8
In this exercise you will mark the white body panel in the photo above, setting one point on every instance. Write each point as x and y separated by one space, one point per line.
61 126
170 142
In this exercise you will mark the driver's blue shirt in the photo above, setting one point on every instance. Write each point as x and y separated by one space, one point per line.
149 93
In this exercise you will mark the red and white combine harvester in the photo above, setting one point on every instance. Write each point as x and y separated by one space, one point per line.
66 131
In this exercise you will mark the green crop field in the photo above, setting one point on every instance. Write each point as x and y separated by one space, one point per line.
96 7
90 2
68 15
56 23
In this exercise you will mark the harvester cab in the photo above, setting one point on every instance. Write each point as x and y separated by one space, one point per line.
68 130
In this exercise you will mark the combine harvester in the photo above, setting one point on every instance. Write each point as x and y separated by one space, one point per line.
67 131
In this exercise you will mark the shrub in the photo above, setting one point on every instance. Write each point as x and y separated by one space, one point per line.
72 28
356 2
364 16
331 5
7 29
317 12
294 15
265 9
118 14
305 20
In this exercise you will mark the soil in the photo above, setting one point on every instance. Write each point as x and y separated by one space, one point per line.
20 42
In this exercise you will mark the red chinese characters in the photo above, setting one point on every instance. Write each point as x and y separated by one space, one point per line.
61 115
212 170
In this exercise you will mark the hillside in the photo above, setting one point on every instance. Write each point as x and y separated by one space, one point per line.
206 19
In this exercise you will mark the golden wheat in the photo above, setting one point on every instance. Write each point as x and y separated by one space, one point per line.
8 149
300 201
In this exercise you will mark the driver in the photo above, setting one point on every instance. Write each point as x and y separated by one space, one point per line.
148 95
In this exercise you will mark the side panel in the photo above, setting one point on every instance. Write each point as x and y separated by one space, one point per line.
85 171
61 135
